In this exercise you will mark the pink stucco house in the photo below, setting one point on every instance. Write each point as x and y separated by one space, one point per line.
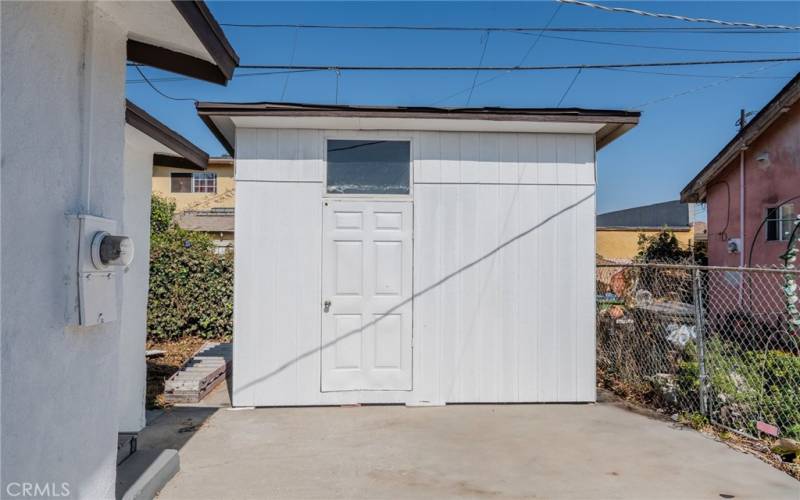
752 186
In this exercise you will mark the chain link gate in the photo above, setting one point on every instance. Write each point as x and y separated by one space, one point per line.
698 339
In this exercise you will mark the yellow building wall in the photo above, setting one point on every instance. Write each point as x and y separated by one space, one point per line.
223 198
624 243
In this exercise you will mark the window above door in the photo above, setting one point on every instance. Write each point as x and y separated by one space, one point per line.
365 167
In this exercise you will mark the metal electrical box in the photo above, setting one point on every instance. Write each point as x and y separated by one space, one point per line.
97 289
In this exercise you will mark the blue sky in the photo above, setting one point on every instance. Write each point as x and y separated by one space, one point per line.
676 136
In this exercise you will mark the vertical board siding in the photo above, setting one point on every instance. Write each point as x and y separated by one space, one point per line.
503 268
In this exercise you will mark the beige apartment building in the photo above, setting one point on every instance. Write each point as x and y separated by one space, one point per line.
204 199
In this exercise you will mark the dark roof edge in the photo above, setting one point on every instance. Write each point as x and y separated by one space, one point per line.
202 22
148 125
788 95
173 161
617 122
295 109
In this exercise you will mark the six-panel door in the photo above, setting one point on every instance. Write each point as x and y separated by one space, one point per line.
366 293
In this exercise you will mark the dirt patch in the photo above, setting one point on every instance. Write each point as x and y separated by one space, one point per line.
160 368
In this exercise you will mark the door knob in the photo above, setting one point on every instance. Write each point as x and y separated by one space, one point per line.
326 306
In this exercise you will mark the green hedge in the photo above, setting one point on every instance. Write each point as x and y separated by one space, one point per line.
191 286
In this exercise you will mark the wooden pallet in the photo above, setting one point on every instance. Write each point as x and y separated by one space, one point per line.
208 368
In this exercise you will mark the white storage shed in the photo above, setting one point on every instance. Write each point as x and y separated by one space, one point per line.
413 255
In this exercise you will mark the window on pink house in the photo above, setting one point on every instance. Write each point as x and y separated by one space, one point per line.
780 222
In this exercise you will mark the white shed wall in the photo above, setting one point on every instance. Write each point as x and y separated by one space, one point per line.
503 267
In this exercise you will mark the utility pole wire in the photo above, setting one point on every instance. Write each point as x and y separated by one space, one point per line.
661 47
480 62
679 18
291 61
569 87
704 87
521 61
518 68
141 73
573 29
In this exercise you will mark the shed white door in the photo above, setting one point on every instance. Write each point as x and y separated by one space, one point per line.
366 293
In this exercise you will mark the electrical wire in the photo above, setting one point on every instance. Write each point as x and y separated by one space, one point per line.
704 87
695 75
724 231
518 68
338 74
238 75
679 18
661 47
521 61
510 29
480 63
569 87
291 61
141 73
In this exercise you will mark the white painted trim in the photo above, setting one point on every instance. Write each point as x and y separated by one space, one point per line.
414 124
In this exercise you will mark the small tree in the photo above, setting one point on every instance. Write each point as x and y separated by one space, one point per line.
662 247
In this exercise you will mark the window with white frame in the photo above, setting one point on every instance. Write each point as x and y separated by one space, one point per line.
780 222
197 182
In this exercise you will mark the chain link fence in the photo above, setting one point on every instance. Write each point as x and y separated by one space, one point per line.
702 340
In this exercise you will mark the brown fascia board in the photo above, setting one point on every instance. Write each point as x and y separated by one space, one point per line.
617 122
148 125
172 161
202 22
211 36
695 191
175 62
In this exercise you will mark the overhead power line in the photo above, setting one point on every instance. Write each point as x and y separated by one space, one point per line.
707 86
518 68
625 10
480 62
162 94
569 87
576 29
238 75
521 61
699 75
662 47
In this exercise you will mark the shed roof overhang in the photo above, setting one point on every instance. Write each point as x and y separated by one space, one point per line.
695 191
181 36
223 119
178 151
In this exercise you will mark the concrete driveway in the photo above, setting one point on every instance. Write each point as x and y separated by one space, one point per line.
465 451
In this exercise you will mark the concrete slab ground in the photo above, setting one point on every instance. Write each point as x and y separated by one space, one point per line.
597 451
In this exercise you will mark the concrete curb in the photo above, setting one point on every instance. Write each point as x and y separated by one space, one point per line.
144 473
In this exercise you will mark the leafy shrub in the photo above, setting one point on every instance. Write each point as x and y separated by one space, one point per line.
744 385
191 286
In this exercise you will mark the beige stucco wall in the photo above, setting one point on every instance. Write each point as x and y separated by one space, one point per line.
223 198
623 243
